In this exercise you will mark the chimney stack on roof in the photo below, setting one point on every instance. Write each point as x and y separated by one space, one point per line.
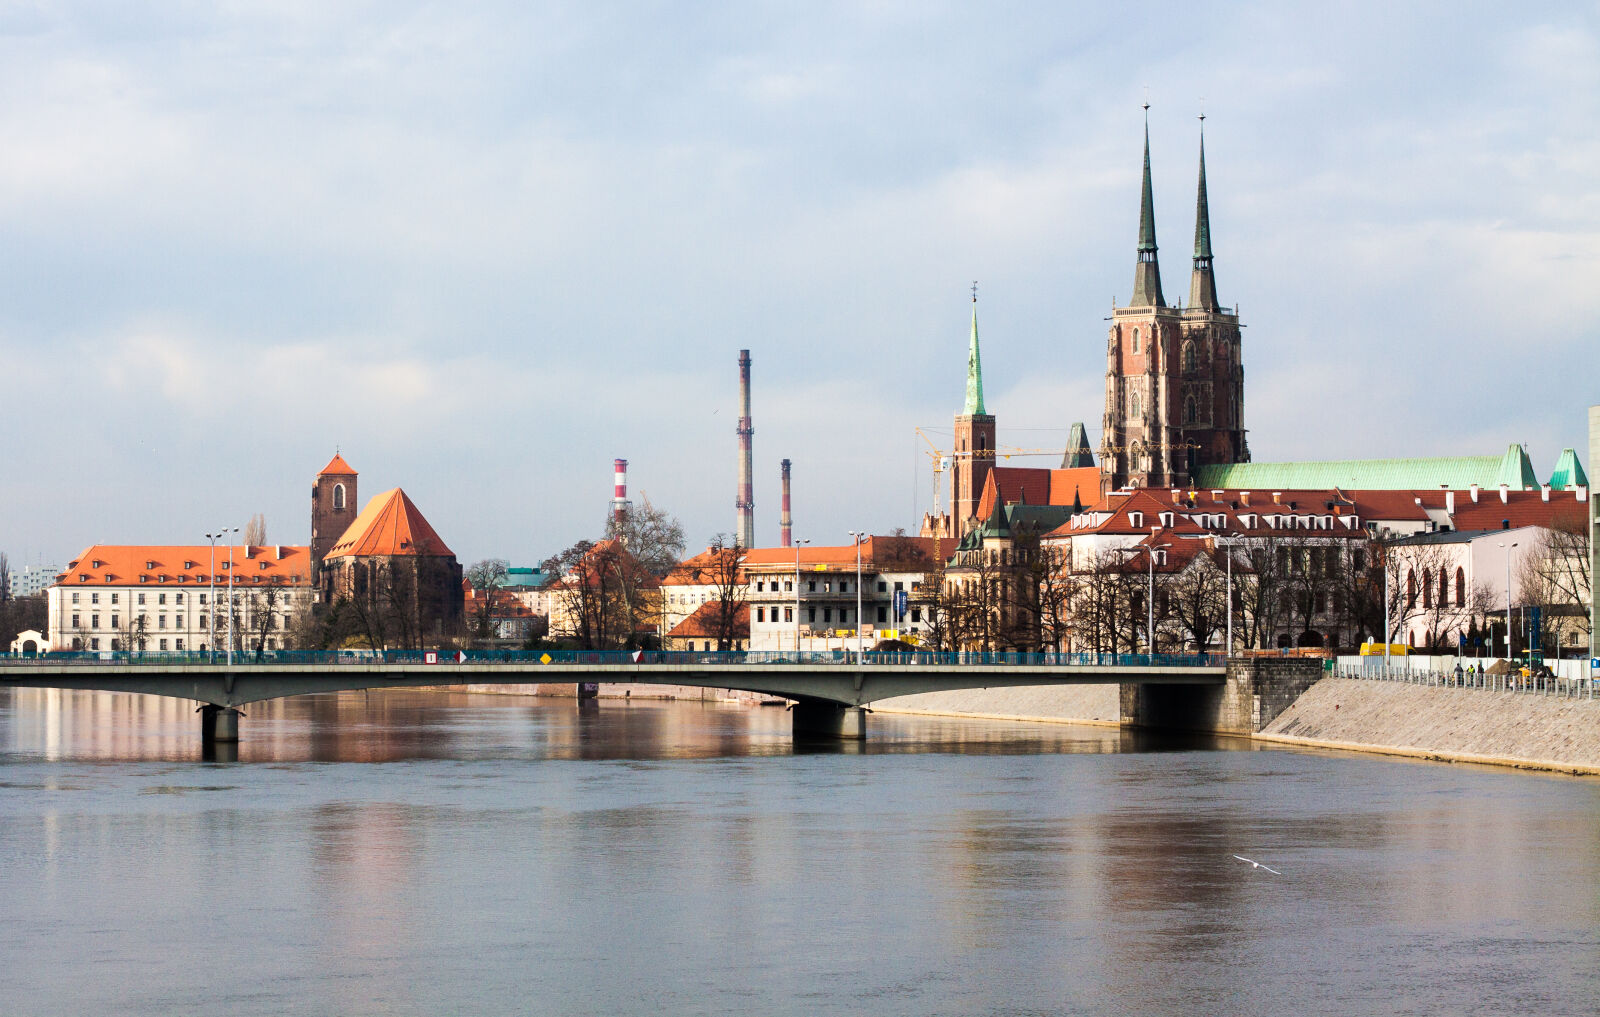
1503 497
1544 491
1474 490
619 492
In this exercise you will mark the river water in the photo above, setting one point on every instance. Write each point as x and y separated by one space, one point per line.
410 852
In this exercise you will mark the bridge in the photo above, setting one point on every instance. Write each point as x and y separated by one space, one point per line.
830 689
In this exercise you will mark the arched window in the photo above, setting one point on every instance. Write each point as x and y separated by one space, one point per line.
1188 410
338 497
1427 588
1444 590
1136 340
1134 412
1188 356
1411 588
1461 588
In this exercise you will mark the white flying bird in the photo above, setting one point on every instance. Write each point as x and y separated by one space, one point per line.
1258 865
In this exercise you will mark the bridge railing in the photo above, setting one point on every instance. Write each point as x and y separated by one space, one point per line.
1515 681
742 658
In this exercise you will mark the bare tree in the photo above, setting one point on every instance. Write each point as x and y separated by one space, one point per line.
1555 575
255 531
653 536
264 611
723 571
1199 600
486 577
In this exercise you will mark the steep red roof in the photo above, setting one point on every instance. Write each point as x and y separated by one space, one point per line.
390 525
1522 508
703 623
1009 484
337 466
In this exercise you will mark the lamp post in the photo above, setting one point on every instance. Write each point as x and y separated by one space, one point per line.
797 544
211 636
1386 629
227 529
1150 601
1227 546
1508 548
856 538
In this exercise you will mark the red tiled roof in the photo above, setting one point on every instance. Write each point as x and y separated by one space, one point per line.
877 552
1522 508
703 623
389 525
141 564
337 466
1009 484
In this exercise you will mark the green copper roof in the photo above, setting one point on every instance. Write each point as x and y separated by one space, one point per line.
1454 472
974 404
1078 452
1147 274
1568 472
1202 212
1202 284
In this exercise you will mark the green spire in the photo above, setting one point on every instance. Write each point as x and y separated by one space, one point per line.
974 405
1203 282
1147 275
1568 472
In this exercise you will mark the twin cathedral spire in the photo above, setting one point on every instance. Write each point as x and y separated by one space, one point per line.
1174 375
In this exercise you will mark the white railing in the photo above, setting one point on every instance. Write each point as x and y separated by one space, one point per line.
1515 682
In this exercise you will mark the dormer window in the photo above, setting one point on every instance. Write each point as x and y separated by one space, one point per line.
83 577
1136 519
1166 519
188 564
1161 557
95 564
149 564
144 578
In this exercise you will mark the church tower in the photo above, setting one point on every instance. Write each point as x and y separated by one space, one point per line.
333 508
1174 384
974 451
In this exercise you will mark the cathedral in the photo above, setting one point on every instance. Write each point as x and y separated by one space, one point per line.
1174 375
1174 394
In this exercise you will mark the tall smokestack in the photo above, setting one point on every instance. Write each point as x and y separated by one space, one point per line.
619 495
746 503
785 522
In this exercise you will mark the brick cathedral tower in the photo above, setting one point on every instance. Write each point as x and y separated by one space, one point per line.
333 508
974 451
1174 376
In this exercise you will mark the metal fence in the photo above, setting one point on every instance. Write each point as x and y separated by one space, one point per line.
1515 682
523 658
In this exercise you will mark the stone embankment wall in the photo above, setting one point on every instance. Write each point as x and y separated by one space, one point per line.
1056 704
1431 722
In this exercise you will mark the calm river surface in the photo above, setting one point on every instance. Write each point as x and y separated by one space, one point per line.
426 853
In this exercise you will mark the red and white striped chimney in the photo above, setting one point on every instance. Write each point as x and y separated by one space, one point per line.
785 522
619 497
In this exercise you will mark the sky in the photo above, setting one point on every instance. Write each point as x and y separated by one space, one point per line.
483 249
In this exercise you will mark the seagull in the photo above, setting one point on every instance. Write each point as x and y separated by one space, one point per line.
1258 865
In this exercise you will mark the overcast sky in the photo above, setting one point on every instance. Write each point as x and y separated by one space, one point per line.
486 248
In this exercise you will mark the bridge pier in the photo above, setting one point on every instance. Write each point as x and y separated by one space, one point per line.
218 724
1257 689
819 720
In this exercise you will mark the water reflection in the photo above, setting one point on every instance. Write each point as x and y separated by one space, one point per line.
391 725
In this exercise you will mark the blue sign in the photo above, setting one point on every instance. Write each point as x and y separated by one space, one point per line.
1594 663
900 600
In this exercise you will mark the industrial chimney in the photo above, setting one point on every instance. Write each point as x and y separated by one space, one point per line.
745 505
785 521
619 495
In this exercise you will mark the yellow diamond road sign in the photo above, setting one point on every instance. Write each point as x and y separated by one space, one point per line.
544 658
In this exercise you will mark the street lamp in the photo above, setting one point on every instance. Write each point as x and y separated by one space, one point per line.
856 538
1508 548
1227 546
1150 601
227 529
797 544
211 636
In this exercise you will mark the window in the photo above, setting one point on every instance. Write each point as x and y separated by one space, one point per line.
116 621
177 598
883 614
202 599
178 623
202 623
811 586
113 598
1189 415
1188 356
761 614
811 614
1444 589
74 597
1136 519
916 614
163 646
883 586
827 615
75 621
788 585
338 497
898 586
94 622
161 598
161 622
1411 588
179 645
1461 588
1136 340
1427 587
1134 404
94 644
844 586
788 614
94 598
760 586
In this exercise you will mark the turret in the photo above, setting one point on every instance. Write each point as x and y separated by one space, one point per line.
1147 274
1202 283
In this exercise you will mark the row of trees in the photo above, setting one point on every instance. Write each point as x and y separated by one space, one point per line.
1294 589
